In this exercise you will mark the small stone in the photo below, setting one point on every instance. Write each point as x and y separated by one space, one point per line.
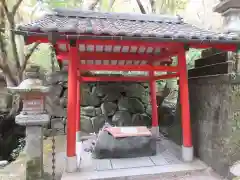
108 108
132 105
86 124
122 118
88 111
98 122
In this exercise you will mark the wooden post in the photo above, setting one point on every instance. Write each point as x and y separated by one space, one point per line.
78 109
187 148
155 128
71 108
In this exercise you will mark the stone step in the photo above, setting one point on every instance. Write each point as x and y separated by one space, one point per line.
213 59
214 69
141 173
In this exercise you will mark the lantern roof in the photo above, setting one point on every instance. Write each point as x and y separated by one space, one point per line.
30 85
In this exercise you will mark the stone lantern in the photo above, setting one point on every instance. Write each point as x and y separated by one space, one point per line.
34 117
230 10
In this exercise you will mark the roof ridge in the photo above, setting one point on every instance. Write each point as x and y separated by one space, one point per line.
113 15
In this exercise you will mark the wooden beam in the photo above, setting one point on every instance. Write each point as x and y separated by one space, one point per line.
114 79
118 56
127 68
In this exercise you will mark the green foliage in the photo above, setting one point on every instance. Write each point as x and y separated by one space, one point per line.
42 57
191 56
63 3
170 6
105 5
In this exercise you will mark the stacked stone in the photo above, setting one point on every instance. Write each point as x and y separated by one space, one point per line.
119 103
54 104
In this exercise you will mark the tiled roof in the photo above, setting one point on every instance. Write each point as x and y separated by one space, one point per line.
118 24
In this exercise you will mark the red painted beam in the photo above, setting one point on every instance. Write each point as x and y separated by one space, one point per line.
118 56
166 76
114 79
84 67
224 47
126 78
138 43
221 46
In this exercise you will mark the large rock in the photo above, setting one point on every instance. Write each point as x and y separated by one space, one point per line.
129 147
89 99
112 96
149 109
56 77
63 102
141 120
167 110
133 105
55 110
109 92
135 90
98 122
122 118
86 124
88 111
108 108
99 90
98 111
56 89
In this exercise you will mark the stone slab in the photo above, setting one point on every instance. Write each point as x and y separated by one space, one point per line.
170 158
131 163
102 164
159 160
131 173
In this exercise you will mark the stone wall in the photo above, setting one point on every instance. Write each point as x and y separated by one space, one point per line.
119 103
215 112
216 119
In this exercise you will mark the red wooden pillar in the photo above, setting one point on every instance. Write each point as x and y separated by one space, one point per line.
71 108
78 109
187 148
155 128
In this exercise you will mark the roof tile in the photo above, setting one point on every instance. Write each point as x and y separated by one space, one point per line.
119 24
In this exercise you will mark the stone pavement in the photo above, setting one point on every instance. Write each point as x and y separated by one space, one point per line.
17 166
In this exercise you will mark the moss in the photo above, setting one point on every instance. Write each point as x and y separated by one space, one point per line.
34 169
